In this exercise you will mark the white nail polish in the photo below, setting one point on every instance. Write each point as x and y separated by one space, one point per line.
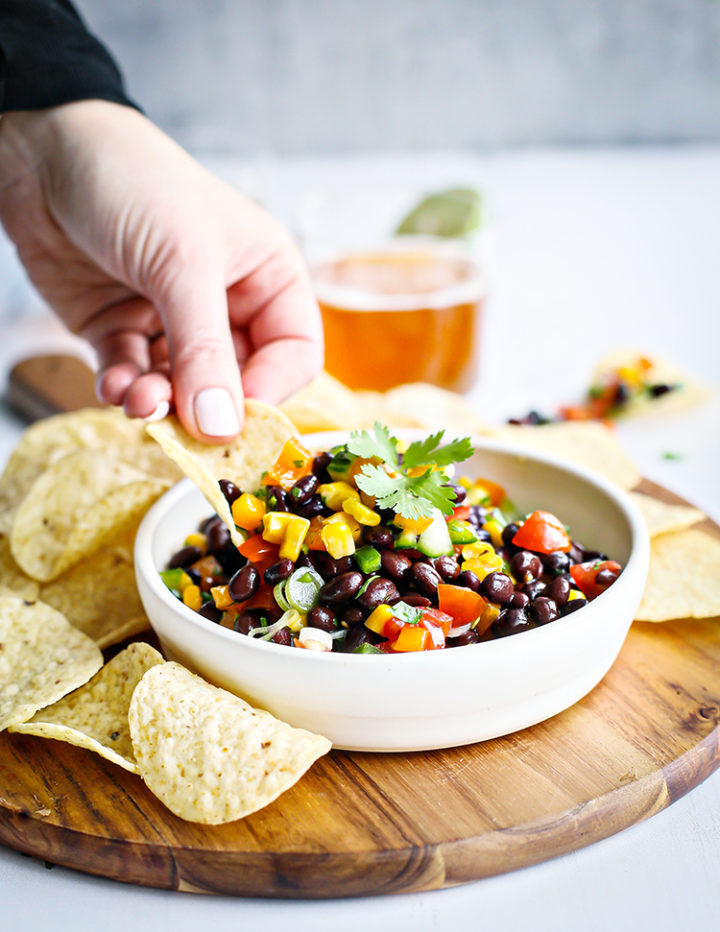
215 413
162 410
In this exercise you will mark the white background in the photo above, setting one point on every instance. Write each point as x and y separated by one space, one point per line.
593 250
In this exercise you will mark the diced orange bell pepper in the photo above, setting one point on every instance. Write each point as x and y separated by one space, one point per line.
294 461
463 605
414 525
412 638
542 532
247 511
496 493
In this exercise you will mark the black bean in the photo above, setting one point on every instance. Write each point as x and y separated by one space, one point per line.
378 536
320 465
511 621
605 577
543 610
304 489
218 537
395 564
415 555
559 589
229 490
326 566
425 578
508 532
194 575
253 618
660 389
460 493
594 555
356 637
278 571
534 588
341 588
468 579
353 615
379 591
244 584
518 600
416 600
303 560
622 393
277 499
311 508
184 557
526 566
447 567
478 515
569 607
484 537
205 525
575 554
323 618
229 559
556 562
498 587
469 637
209 611
283 637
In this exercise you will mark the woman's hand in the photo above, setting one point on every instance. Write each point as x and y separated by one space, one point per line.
176 279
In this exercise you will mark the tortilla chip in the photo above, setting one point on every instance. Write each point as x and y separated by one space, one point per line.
95 716
42 658
12 578
76 505
99 595
587 443
431 408
683 579
324 404
662 518
243 461
208 755
105 430
688 394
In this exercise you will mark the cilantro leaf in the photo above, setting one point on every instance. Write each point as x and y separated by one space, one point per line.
393 492
382 444
432 486
425 452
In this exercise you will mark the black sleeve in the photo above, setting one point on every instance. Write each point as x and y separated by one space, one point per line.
47 57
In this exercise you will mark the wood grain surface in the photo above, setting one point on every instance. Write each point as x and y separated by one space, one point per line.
359 824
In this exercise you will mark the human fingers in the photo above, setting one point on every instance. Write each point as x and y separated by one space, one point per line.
205 376
122 357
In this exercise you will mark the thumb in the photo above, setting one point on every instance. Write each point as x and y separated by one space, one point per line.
204 370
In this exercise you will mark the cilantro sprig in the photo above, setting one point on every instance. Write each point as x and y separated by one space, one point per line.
412 496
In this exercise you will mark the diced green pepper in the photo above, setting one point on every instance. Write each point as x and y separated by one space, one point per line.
367 648
367 559
173 579
461 532
339 466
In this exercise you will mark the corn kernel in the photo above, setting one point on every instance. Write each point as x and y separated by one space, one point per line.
247 511
192 597
466 482
575 594
489 616
295 532
274 525
482 566
360 512
197 540
221 597
477 550
184 582
346 520
335 494
338 540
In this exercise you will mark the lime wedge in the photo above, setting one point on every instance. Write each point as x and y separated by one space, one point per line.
455 212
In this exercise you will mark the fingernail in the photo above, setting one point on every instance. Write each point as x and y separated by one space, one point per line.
162 410
215 413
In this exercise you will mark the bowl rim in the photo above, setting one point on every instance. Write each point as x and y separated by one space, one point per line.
637 561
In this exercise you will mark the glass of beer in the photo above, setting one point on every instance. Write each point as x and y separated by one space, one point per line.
395 309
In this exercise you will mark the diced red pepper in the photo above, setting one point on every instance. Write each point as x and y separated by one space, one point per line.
259 552
461 512
542 532
462 605
584 576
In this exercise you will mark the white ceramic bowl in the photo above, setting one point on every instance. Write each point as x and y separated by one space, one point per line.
431 699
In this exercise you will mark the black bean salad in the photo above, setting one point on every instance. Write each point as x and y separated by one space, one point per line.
375 547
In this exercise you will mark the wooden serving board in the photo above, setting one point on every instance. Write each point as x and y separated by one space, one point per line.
387 823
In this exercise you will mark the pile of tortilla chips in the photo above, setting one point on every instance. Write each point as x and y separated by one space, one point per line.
71 497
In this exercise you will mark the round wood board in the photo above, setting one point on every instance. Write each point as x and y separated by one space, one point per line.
387 823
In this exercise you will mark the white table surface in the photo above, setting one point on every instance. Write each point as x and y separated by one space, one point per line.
593 249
